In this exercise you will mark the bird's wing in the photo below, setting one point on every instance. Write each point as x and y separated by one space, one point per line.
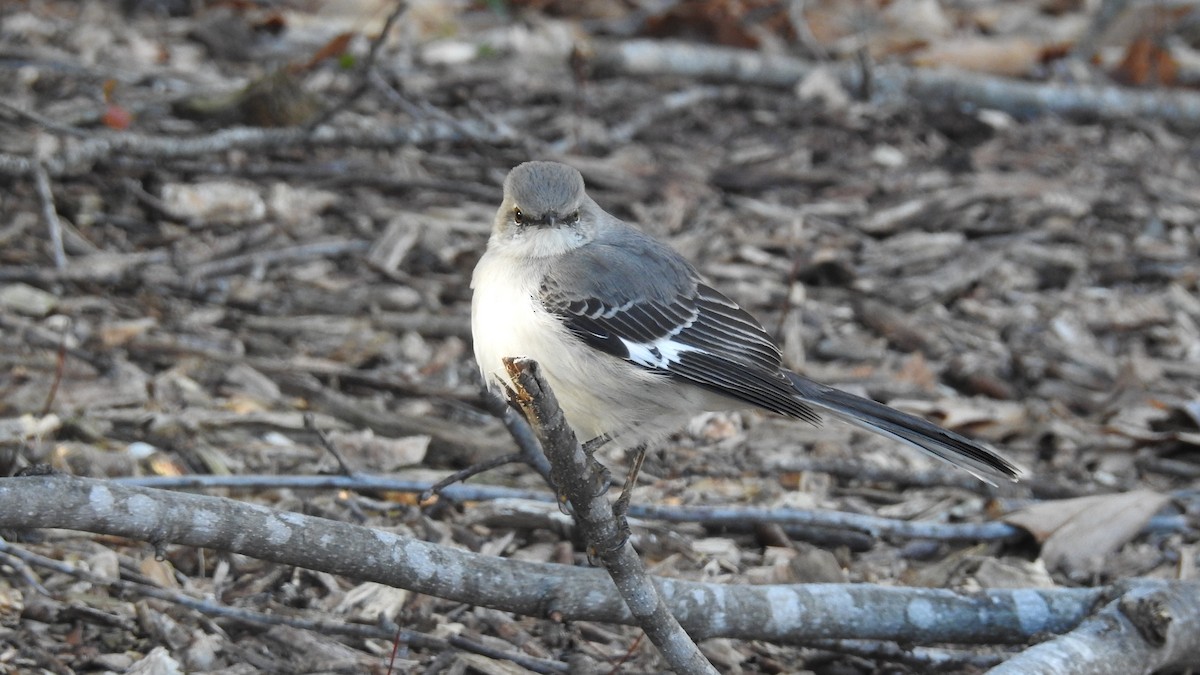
675 325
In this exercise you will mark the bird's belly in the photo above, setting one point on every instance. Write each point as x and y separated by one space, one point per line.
599 393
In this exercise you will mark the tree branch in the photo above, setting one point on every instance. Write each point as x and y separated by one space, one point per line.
583 482
911 85
1150 628
788 614
80 156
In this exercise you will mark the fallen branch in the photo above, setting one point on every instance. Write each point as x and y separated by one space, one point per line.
787 614
893 83
1148 629
79 156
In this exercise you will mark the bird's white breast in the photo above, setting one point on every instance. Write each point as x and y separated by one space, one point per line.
599 393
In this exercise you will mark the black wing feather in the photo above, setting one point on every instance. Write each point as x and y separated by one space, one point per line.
723 348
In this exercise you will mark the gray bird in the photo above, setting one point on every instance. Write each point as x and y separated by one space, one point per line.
633 341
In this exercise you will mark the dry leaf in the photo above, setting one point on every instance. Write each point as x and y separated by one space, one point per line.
160 572
1013 57
1077 535
369 601
1146 64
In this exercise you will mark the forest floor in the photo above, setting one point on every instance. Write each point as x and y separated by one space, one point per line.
173 306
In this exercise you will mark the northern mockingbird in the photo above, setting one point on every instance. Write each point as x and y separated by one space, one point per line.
632 339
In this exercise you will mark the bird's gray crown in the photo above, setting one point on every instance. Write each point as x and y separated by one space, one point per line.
542 188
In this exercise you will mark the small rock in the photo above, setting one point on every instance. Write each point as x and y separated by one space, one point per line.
27 300
221 202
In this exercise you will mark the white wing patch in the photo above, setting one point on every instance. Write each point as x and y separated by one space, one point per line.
658 354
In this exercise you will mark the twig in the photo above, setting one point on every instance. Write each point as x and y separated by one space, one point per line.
101 268
310 423
874 525
368 65
923 659
463 474
60 367
45 122
80 157
523 434
449 440
50 215
321 249
854 469
669 104
731 516
379 632
583 482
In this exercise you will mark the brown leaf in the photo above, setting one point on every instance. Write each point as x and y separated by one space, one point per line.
332 49
733 23
1146 64
1013 57
1077 535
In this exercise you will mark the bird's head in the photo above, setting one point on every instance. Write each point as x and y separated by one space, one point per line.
544 203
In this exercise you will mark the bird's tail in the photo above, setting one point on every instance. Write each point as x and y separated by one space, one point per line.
920 434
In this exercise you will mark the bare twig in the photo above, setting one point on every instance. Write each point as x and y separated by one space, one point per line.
310 423
858 470
729 516
449 440
923 659
80 157
670 104
50 215
368 65
44 122
468 472
523 434
60 366
320 249
581 479
359 482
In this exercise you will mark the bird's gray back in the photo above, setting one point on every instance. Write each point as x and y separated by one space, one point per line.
621 265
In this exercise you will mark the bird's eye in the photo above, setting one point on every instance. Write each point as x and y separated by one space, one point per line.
518 217
575 216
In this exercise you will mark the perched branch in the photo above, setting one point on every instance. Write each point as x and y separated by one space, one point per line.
789 614
583 481
892 82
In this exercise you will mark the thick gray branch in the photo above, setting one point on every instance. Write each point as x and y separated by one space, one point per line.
1151 628
792 614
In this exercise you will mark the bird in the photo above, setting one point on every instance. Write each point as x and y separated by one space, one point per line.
634 341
